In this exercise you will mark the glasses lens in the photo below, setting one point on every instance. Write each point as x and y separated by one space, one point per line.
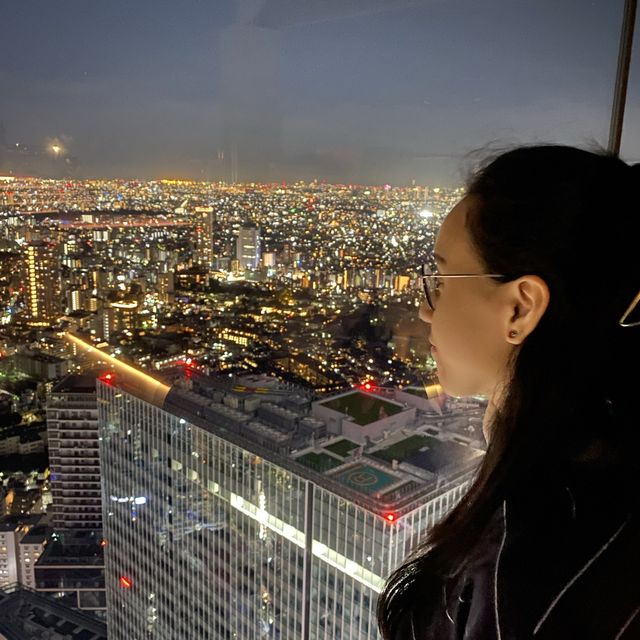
427 283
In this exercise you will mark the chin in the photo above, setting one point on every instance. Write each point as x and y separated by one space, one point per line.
457 388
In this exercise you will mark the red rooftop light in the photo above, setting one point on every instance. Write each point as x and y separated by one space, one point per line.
391 517
367 386
125 582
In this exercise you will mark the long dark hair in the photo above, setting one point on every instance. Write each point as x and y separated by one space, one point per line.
571 217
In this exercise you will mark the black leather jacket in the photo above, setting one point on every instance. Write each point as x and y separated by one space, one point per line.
562 561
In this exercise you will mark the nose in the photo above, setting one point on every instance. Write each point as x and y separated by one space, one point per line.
425 313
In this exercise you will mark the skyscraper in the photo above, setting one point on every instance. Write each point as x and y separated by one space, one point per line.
42 283
204 236
215 529
248 249
72 428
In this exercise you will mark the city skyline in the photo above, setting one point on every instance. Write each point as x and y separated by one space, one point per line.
221 414
262 375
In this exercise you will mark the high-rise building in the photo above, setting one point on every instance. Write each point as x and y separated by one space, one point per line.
204 236
118 316
269 259
165 286
72 425
221 525
42 283
248 247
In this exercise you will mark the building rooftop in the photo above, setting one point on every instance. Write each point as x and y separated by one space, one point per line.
398 467
389 471
77 383
36 535
40 356
80 547
12 522
363 408
26 614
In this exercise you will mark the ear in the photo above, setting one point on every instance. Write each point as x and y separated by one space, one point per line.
528 299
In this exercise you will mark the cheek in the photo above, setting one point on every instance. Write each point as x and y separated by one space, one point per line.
468 345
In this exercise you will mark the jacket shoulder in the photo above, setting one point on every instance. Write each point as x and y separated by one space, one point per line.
565 571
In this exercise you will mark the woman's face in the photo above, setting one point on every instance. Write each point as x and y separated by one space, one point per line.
469 326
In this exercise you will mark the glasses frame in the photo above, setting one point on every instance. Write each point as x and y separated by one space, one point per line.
627 313
426 277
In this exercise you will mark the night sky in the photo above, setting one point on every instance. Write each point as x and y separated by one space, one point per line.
368 91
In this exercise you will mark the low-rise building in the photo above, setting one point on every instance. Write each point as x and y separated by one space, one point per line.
30 549
40 365
12 531
72 567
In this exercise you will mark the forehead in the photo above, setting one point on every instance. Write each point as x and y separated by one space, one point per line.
453 241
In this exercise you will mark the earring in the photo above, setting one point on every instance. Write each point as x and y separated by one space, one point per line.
513 333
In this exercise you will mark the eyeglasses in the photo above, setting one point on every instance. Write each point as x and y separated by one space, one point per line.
431 281
431 284
627 313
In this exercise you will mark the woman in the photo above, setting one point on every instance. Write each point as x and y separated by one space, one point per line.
546 542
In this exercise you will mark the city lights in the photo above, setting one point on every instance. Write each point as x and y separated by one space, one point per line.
267 306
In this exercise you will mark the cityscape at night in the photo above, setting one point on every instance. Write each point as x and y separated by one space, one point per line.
220 412
280 322
311 282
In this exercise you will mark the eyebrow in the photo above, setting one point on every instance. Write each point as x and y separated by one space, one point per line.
439 258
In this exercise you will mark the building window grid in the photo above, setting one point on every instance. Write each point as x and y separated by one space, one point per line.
283 502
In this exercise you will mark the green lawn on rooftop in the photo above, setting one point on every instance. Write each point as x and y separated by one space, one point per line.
363 407
402 449
342 447
319 461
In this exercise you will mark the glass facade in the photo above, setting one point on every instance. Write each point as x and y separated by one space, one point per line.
208 539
